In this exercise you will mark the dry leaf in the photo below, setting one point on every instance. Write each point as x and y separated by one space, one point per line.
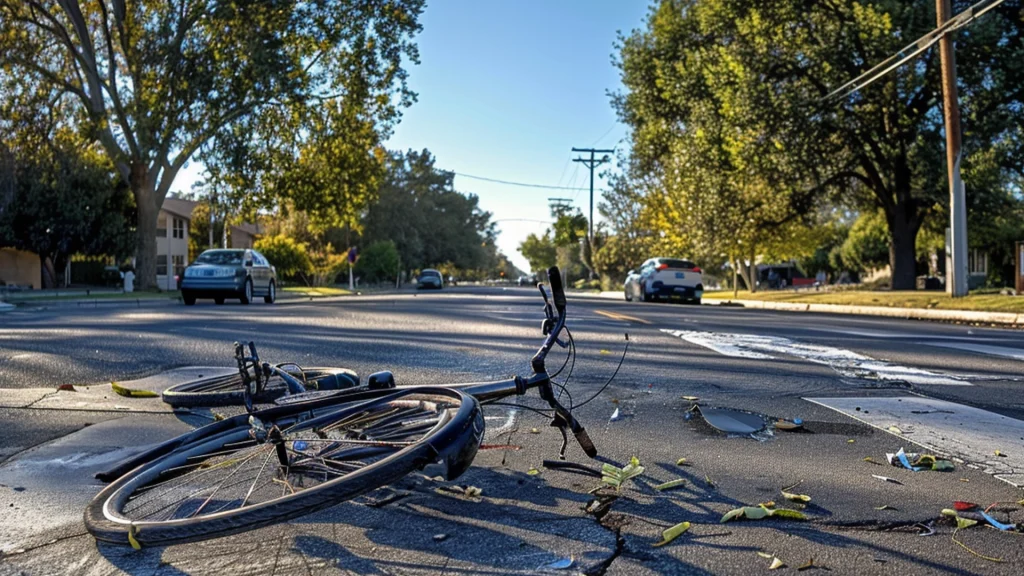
673 533
671 484
776 564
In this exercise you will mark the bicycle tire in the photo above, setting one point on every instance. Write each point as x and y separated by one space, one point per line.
453 439
227 390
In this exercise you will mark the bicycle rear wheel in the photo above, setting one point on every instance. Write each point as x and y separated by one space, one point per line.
259 474
227 390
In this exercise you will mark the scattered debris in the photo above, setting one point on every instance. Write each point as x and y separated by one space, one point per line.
895 430
796 424
561 564
682 462
533 471
732 421
776 564
672 533
615 415
129 393
760 513
765 555
534 431
886 507
924 529
793 497
66 388
500 447
917 462
603 351
808 566
871 460
472 491
708 480
572 467
962 506
671 484
615 476
440 537
690 398
1000 454
887 479
850 441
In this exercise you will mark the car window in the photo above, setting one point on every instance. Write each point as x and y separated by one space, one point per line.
221 257
431 274
674 263
259 259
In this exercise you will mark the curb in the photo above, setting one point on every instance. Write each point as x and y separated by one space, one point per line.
98 303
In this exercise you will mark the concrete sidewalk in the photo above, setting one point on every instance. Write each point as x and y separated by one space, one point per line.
966 316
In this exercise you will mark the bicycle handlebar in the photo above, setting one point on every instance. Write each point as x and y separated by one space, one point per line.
557 292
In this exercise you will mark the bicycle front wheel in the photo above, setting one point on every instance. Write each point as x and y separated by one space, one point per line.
262 473
227 390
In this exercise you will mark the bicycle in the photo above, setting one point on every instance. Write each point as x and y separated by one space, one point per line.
240 389
309 453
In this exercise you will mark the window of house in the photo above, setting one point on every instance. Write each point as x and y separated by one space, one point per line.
977 262
179 264
161 226
179 228
161 264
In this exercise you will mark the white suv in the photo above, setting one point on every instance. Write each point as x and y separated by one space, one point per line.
665 278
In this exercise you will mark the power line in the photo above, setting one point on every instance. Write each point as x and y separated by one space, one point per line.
523 184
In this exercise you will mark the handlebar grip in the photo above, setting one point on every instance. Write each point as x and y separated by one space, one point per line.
557 292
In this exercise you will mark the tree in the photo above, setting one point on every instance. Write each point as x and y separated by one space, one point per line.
539 251
65 201
867 245
751 78
154 82
379 262
285 254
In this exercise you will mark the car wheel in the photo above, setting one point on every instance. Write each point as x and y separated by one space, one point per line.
188 299
628 297
246 296
218 301
644 295
696 301
271 293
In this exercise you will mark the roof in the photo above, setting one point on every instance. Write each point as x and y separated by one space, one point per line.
179 207
250 229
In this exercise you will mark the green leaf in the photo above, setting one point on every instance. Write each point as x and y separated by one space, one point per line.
776 564
533 471
682 462
790 514
129 393
965 522
732 515
796 497
671 484
673 533
765 555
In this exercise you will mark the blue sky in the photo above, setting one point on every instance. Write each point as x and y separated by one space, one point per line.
506 88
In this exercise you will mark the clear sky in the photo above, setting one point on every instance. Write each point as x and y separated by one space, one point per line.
506 88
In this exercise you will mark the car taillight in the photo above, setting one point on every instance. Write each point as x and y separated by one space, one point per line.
661 267
696 269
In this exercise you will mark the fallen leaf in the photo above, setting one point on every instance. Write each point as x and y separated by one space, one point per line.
965 522
603 351
759 513
673 533
884 507
690 398
66 388
534 431
850 441
1000 454
768 504
787 513
809 565
765 555
129 393
682 462
708 480
796 497
871 461
615 476
533 471
895 430
671 484
132 531
776 564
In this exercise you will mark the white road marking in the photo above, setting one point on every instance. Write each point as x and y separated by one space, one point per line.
1015 353
949 429
847 363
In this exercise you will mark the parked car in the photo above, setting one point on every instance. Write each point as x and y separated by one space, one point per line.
663 279
221 274
530 280
430 278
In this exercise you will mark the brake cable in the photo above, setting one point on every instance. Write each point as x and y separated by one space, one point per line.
612 377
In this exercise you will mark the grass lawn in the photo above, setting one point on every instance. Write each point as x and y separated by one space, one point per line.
898 299
321 291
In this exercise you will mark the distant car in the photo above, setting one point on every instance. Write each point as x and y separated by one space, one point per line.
221 274
530 280
663 279
430 278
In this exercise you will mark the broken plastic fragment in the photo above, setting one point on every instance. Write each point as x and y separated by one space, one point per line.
440 537
615 415
776 564
561 564
671 484
996 523
732 421
673 533
66 388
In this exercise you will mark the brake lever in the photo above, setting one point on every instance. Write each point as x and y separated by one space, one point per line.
562 425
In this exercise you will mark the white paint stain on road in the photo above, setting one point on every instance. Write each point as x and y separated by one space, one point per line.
949 429
1015 353
847 363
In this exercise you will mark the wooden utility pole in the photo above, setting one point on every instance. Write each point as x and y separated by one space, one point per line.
592 163
956 277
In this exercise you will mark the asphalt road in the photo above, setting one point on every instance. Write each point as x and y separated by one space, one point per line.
862 374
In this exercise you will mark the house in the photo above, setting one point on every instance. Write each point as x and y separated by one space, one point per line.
20 268
172 241
243 235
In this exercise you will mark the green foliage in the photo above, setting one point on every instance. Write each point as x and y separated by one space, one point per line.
285 254
867 245
199 230
428 221
539 251
378 262
326 264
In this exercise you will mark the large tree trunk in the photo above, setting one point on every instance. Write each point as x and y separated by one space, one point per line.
145 232
49 272
903 248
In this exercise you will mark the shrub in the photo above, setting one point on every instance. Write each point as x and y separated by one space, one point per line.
289 257
378 262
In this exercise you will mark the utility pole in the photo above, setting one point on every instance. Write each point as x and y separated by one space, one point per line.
592 163
956 277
